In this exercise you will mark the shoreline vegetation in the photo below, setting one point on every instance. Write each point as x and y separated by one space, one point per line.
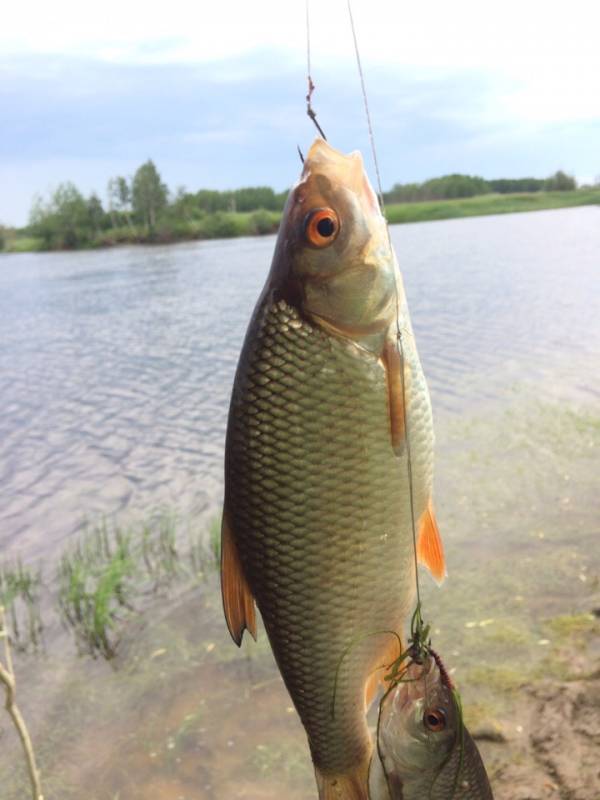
142 210
103 580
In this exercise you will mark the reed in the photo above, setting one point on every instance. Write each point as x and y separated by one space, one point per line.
20 596
8 679
104 579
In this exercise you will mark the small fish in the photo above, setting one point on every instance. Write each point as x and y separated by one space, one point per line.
424 751
318 514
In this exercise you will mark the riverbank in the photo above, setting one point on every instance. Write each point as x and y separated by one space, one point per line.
225 225
486 204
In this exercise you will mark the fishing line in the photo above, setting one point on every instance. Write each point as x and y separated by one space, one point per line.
399 342
311 86
366 103
418 627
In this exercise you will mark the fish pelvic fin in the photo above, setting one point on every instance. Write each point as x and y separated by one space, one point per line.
238 601
430 550
350 786
388 653
394 371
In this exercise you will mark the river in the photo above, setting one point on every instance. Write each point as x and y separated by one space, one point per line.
115 373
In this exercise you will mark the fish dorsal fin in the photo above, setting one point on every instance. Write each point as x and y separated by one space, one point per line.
430 550
394 371
238 601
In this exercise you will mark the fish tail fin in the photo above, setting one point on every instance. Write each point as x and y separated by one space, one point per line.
238 601
352 785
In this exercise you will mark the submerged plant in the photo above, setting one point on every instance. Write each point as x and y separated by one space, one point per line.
19 594
110 568
95 580
205 550
159 551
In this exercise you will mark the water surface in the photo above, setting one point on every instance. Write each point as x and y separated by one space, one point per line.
115 373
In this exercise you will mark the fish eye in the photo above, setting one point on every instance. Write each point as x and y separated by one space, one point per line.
321 226
434 719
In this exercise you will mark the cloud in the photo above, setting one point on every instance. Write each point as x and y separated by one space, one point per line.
233 122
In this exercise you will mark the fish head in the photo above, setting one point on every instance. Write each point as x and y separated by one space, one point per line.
333 259
419 724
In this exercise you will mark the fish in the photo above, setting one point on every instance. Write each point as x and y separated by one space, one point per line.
318 512
424 751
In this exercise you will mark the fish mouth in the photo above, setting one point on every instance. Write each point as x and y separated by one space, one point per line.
347 170
413 686
321 151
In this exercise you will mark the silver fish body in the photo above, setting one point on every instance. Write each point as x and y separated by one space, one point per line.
424 750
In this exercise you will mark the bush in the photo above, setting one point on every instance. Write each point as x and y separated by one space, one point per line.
221 225
262 222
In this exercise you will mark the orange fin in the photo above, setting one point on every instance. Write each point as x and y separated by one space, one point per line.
238 602
385 658
430 549
394 370
351 786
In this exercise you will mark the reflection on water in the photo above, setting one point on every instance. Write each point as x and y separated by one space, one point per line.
115 372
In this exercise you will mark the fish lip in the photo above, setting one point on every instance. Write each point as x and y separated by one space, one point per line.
345 169
320 149
412 688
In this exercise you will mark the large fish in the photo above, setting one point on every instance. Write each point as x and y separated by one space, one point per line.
424 750
317 513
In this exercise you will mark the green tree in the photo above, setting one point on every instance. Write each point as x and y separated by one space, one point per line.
185 205
64 221
149 194
448 186
96 214
252 198
119 198
560 182
210 200
515 185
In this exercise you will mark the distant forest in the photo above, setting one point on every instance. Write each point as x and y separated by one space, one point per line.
143 209
449 187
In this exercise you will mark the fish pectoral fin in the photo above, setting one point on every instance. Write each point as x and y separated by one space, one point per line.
238 601
350 786
394 371
430 550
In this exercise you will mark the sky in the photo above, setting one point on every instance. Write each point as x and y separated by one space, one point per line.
214 93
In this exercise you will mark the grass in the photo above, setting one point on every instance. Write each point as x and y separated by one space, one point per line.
483 205
23 244
499 678
94 584
19 594
577 626
104 578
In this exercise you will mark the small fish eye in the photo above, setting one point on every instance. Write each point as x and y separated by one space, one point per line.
321 227
434 719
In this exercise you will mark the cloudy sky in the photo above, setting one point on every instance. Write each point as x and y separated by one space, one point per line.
213 92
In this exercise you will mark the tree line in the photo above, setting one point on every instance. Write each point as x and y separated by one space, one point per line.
142 209
453 186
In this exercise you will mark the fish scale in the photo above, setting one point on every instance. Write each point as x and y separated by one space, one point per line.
319 509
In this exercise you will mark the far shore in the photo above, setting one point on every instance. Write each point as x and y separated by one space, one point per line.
224 225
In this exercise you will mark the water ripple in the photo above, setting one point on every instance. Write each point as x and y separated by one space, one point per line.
116 366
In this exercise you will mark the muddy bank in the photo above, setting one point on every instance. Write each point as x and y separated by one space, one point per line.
553 753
